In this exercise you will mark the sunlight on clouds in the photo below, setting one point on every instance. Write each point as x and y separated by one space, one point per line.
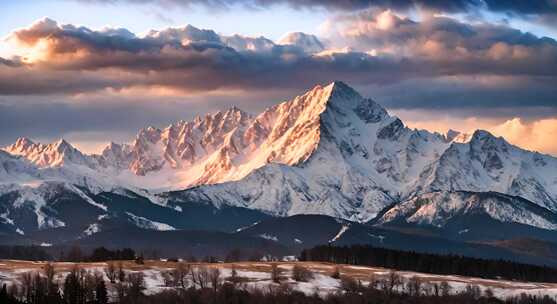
538 135
154 91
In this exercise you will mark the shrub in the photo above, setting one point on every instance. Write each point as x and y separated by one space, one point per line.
301 274
349 284
336 273
275 273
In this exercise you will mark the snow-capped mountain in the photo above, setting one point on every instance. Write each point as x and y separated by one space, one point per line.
438 209
488 163
56 154
329 151
352 159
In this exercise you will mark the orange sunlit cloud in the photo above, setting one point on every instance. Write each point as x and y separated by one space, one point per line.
538 135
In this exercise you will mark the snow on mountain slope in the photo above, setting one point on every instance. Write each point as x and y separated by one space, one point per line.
346 158
361 160
328 151
489 163
51 155
438 208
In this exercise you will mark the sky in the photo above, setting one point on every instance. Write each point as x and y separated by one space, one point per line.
99 70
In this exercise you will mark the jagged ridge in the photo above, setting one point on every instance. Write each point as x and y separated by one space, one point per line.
329 151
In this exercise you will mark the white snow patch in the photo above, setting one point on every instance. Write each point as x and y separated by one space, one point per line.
88 199
269 237
246 227
340 233
92 229
149 224
381 238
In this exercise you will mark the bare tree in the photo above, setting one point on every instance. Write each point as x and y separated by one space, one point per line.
235 278
233 275
301 274
167 278
472 291
27 286
275 273
200 276
349 284
489 293
436 288
89 285
136 284
393 282
373 282
110 271
101 294
121 291
215 278
336 273
121 272
14 291
445 288
426 289
180 273
74 291
49 273
414 286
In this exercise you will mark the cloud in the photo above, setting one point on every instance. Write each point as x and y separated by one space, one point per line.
447 42
541 11
469 95
66 79
534 134
309 43
441 61
519 7
435 47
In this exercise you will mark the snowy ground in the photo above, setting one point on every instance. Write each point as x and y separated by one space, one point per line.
257 275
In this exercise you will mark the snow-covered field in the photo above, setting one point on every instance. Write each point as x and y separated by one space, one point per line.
258 275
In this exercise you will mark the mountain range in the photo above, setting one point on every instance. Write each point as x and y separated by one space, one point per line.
330 153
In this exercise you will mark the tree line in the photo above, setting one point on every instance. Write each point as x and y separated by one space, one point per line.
429 263
29 253
74 254
206 285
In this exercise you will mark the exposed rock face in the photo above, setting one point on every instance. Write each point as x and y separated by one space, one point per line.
329 151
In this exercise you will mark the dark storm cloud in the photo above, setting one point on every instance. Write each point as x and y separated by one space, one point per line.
542 8
462 96
52 117
529 7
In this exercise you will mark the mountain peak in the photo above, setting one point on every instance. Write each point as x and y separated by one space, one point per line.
483 137
24 141
338 85
62 143
22 144
63 147
342 97
452 134
484 141
236 113
481 134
